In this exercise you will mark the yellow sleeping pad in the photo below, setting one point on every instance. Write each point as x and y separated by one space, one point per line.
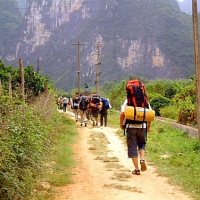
139 114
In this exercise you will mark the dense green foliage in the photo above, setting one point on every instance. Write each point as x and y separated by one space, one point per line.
34 83
24 134
27 136
24 139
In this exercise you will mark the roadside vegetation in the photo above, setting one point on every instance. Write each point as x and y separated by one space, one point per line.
36 141
175 155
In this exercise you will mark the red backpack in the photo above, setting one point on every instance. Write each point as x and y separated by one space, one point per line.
136 94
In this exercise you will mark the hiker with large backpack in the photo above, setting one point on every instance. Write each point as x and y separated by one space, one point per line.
64 103
74 107
95 106
135 118
83 105
69 104
104 111
60 104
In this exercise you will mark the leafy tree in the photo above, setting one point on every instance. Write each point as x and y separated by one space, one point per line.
34 82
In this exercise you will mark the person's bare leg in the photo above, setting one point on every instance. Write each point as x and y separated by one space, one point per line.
136 171
135 162
142 161
141 152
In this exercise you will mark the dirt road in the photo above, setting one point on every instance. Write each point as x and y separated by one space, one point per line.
104 172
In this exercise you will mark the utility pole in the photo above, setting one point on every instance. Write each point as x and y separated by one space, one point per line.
97 67
10 85
22 80
38 64
196 61
78 72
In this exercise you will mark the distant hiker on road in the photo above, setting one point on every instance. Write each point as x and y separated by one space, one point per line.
60 105
95 106
83 105
69 103
136 130
74 106
64 103
104 111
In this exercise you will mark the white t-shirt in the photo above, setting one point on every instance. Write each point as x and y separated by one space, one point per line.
123 107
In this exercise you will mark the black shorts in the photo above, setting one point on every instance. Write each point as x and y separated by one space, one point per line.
136 140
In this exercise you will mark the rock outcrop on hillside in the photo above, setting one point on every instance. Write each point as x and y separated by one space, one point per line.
150 38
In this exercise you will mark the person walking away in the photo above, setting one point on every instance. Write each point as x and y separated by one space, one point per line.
64 103
69 104
135 130
95 106
104 111
88 111
83 104
74 106
60 100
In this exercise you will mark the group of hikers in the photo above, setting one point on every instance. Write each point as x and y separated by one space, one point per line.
87 107
135 118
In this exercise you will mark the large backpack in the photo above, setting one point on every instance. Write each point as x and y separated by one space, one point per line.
105 103
83 103
95 102
75 102
65 102
136 94
136 97
96 99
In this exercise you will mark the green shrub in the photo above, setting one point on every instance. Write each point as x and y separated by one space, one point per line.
157 102
25 139
170 112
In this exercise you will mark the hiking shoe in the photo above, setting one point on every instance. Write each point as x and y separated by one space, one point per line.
136 172
143 165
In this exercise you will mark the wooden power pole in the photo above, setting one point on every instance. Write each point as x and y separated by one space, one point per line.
97 67
196 61
10 85
79 70
22 79
38 64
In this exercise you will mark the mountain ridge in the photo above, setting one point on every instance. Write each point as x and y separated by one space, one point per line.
150 38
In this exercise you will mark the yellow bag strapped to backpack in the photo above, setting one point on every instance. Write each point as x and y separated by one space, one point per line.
139 114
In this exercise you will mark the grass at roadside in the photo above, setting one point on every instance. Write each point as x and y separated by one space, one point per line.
174 154
61 158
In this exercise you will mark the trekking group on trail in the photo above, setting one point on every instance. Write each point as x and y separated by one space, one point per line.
89 108
135 118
